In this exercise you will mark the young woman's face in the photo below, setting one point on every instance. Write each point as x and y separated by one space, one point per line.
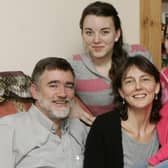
138 88
99 36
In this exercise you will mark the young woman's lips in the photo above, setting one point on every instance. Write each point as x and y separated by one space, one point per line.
97 48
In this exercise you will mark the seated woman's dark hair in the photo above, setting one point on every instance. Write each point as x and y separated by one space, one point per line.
146 66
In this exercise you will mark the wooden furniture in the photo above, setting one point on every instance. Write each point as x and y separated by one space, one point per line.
150 28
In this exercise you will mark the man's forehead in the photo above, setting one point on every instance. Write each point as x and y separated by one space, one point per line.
57 75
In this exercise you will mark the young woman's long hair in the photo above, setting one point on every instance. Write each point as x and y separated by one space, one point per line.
107 10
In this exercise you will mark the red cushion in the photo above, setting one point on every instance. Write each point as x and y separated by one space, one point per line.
9 107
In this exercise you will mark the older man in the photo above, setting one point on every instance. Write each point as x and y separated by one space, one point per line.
45 136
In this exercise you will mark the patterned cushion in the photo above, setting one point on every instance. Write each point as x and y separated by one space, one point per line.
14 84
14 92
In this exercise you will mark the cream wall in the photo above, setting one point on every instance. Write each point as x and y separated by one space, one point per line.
33 29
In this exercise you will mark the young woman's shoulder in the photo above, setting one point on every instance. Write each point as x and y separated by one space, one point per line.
134 49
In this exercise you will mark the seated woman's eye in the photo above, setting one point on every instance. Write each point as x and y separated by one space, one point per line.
146 79
128 81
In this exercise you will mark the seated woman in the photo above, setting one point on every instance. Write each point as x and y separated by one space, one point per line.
126 136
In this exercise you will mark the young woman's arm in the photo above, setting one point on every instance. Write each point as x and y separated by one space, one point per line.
79 110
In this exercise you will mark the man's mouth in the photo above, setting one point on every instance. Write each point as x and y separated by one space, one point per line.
61 101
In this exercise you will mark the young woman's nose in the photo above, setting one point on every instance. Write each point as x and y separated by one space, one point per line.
96 38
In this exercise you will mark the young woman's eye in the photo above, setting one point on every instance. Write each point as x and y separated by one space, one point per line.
89 33
105 32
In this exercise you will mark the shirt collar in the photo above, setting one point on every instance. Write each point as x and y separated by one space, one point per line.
46 122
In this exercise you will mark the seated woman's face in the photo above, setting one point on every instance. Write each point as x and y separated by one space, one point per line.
138 88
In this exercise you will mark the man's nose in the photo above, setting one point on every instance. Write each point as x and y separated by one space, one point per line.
62 91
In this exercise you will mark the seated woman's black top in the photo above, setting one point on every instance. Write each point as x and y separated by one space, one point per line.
104 143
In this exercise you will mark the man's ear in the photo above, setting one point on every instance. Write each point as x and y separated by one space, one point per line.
34 91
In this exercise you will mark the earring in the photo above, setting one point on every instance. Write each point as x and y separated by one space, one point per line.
116 39
156 97
123 102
